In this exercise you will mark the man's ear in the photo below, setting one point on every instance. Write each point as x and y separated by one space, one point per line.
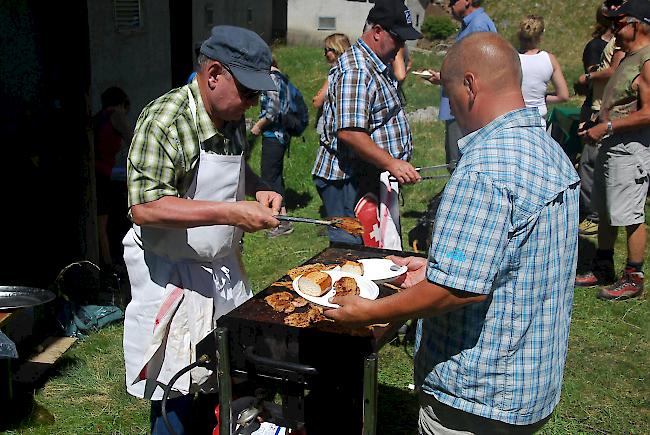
471 87
215 73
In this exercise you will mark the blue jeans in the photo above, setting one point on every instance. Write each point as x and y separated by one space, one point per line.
178 411
339 199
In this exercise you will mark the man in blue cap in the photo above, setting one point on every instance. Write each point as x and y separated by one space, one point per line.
187 183
365 126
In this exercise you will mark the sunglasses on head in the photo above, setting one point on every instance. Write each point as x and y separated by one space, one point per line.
245 92
620 24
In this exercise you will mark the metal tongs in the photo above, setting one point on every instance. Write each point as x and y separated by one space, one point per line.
348 224
426 170
282 217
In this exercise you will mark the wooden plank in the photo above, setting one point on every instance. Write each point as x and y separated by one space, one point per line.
37 365
53 348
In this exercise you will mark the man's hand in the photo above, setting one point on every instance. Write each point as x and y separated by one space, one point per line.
583 79
435 77
417 267
255 130
353 311
252 216
594 134
270 199
403 172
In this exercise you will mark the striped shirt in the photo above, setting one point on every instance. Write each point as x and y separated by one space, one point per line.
361 95
165 147
271 103
507 227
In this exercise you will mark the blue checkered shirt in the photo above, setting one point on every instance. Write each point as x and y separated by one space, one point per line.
362 95
507 227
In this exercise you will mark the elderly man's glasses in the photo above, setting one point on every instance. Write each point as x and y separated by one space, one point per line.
246 93
452 3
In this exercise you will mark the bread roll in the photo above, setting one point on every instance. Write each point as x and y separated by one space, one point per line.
352 267
315 283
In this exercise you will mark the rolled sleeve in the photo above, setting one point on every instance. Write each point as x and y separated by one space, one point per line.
151 170
352 98
470 234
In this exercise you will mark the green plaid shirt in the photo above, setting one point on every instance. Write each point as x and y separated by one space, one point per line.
165 147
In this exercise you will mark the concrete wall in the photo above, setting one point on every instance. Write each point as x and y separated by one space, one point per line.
255 15
139 62
302 18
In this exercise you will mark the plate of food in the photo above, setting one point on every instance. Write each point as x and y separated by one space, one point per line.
319 286
424 73
378 270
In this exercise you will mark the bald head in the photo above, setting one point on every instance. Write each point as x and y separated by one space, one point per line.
481 75
488 56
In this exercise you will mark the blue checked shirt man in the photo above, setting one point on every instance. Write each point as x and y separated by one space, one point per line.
365 127
495 294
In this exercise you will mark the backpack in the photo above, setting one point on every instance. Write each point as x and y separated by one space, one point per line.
294 116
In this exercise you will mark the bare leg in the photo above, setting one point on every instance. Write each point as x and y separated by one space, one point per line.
636 240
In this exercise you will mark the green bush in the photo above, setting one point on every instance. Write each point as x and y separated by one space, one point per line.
438 27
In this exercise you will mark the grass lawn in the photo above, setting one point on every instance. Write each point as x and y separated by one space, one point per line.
606 386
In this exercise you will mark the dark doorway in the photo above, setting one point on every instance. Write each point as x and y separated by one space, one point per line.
182 56
44 124
279 21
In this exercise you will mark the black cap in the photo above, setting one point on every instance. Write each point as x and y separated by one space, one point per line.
244 53
395 17
634 8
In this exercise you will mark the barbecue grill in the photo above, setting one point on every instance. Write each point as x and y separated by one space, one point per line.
325 375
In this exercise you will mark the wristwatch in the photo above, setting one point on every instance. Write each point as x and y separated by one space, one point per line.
610 128
588 77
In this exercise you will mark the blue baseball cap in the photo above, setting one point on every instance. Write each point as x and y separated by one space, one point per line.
244 53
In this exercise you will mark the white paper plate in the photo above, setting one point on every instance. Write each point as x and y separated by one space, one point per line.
422 73
381 269
367 288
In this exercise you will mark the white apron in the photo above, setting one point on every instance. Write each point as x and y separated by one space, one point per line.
182 280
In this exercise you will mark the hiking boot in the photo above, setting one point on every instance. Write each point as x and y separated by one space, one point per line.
588 228
284 229
630 285
602 272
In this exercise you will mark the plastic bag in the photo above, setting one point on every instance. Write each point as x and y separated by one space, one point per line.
7 347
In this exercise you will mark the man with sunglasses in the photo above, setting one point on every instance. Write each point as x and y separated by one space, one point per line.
365 126
623 162
187 183
473 19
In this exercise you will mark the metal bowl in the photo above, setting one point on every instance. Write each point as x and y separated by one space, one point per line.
12 297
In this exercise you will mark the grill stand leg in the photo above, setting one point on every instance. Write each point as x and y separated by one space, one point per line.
225 385
370 394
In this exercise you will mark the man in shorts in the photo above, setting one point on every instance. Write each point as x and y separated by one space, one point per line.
623 162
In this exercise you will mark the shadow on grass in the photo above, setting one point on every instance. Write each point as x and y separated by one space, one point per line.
21 410
397 411
295 199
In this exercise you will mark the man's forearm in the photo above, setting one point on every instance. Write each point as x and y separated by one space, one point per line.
365 148
423 300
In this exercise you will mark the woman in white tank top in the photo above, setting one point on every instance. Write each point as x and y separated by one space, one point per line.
538 68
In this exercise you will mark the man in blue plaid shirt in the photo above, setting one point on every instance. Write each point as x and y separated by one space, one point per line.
495 294
365 127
